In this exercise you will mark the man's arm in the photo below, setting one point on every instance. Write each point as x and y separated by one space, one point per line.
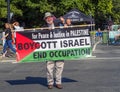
4 36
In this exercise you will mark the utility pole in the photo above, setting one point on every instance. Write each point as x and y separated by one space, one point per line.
91 21
8 11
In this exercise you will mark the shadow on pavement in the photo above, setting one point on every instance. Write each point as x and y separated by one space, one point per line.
36 80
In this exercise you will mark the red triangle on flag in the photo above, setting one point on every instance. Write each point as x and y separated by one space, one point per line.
24 46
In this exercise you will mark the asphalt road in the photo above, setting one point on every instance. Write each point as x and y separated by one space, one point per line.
99 74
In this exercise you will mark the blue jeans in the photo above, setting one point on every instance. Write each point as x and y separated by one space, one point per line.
8 44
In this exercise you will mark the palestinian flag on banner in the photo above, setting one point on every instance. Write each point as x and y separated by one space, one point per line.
25 46
46 45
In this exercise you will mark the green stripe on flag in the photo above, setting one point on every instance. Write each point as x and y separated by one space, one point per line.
66 54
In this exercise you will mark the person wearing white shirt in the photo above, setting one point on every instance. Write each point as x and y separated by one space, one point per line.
17 26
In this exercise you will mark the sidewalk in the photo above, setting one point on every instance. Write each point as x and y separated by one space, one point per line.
10 56
107 51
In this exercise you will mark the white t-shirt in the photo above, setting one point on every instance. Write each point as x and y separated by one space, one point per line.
18 28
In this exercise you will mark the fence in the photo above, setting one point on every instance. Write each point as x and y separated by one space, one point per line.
108 37
104 39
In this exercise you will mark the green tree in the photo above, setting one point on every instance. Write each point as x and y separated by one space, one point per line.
84 6
103 8
116 11
3 9
32 11
3 12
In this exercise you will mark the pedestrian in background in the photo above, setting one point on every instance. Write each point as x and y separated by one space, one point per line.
68 23
17 26
8 40
98 35
62 22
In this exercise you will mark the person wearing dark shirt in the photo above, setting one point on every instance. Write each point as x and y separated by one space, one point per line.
8 40
62 22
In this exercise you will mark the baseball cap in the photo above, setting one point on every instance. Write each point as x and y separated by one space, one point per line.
47 14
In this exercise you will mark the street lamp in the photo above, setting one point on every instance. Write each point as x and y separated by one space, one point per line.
8 11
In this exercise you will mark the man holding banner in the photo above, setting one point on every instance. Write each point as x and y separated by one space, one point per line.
54 44
53 66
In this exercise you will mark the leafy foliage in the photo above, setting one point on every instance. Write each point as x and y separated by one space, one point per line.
116 11
32 11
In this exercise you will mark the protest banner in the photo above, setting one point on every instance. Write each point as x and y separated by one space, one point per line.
55 44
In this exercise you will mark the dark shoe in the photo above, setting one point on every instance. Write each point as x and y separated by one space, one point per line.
50 86
59 86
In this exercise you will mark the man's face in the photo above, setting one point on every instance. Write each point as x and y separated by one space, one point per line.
49 20
62 19
68 22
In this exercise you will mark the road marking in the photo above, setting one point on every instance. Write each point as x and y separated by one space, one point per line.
94 47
